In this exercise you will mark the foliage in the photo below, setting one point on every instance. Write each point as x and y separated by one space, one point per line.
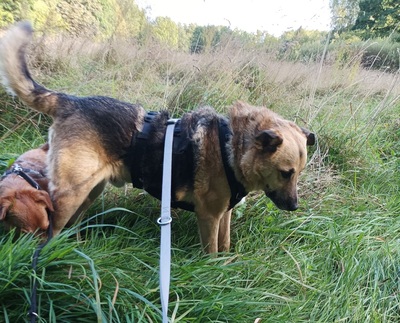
302 45
344 13
166 31
14 10
378 18
91 18
203 39
370 18
107 19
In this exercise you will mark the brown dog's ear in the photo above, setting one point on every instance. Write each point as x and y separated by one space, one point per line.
268 140
4 206
43 197
310 137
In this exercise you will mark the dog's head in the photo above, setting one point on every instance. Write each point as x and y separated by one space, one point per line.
284 154
273 154
25 208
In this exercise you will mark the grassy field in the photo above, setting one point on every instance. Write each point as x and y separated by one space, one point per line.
336 259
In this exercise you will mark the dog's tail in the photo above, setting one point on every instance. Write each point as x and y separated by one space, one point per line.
14 72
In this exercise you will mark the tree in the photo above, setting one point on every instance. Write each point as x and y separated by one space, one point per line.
344 13
206 38
120 18
197 41
13 10
166 31
44 15
377 18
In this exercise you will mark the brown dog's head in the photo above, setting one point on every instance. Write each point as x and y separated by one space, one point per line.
24 207
273 152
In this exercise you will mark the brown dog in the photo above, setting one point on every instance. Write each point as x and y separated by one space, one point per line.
217 160
22 205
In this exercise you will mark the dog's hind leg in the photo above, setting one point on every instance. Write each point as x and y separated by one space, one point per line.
88 202
79 214
77 175
224 232
69 202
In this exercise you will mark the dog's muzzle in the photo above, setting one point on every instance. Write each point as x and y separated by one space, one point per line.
284 203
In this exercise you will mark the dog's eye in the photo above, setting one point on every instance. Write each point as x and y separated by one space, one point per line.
287 174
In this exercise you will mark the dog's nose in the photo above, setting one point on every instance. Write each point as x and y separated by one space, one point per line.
293 207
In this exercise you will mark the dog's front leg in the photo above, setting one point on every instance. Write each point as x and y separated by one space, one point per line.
224 232
208 226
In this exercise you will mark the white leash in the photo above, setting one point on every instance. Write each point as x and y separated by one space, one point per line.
165 220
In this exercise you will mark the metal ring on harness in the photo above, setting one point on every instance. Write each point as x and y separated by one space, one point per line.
164 221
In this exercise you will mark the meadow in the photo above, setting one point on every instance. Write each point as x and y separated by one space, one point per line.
336 259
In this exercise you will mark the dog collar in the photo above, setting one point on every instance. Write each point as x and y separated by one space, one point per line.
23 172
238 192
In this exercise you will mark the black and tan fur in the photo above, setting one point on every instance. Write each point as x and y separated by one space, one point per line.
90 145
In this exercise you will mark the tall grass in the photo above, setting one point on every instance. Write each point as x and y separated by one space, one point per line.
336 259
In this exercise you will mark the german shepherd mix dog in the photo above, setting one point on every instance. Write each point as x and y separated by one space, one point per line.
216 160
24 197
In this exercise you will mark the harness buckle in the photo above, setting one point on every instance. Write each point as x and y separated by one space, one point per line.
150 116
172 121
17 168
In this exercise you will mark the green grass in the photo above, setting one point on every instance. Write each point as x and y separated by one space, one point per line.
336 259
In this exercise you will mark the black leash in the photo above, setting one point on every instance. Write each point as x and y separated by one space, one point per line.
33 309
23 172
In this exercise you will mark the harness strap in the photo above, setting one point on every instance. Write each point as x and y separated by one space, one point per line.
238 192
165 220
23 172
138 143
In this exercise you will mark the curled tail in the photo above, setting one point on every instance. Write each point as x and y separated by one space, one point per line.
14 72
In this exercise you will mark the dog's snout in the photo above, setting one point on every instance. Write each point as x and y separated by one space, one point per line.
282 202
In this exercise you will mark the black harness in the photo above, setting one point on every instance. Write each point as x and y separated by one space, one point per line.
181 145
238 192
23 172
138 146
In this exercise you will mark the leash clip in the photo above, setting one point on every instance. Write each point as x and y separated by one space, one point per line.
33 314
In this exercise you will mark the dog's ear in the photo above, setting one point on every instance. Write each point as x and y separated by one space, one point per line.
43 197
310 137
268 141
4 206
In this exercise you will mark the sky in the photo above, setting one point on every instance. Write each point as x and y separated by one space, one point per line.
273 16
